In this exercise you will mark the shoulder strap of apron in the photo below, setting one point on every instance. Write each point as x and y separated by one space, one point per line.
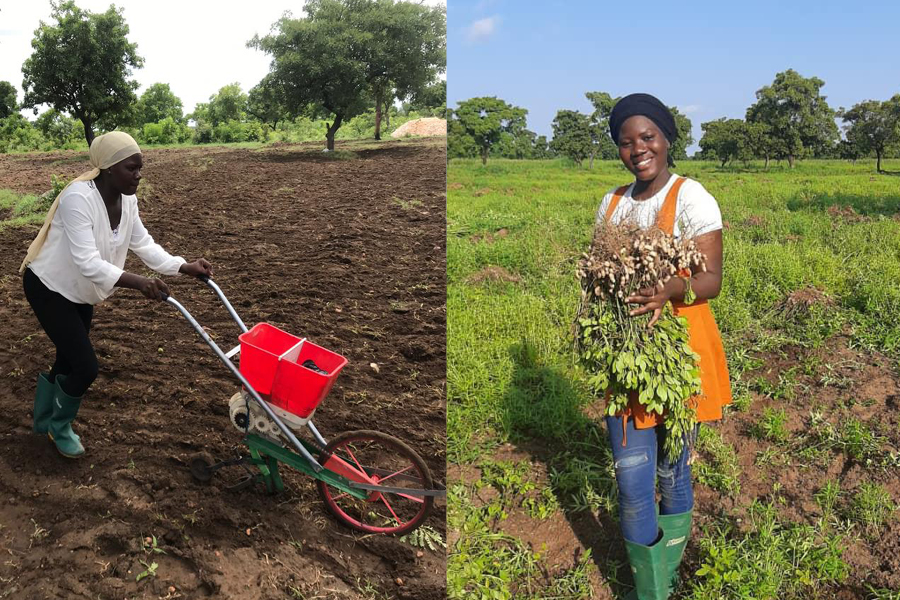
614 202
665 218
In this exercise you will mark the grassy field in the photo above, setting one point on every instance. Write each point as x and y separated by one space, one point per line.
797 481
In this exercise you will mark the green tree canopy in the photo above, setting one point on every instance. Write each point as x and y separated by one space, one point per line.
56 126
82 66
725 139
873 126
602 143
8 103
484 119
799 119
405 47
431 98
158 102
264 104
459 143
317 64
228 104
572 135
685 138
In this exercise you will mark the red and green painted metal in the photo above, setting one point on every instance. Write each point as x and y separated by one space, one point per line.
368 480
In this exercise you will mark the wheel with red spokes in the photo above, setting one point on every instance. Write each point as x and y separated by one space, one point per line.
375 458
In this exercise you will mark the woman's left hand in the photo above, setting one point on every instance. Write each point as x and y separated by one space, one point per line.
651 300
197 268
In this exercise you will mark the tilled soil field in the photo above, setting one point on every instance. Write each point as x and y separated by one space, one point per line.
347 250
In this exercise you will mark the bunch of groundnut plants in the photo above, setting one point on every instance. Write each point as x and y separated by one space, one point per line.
623 355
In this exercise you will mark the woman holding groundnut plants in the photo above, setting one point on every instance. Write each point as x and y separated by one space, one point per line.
648 338
75 262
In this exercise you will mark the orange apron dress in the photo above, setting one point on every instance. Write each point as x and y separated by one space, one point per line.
705 339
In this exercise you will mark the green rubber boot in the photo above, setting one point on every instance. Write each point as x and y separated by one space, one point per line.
648 565
65 408
43 403
676 531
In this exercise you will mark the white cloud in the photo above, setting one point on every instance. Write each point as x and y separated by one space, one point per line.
690 108
482 29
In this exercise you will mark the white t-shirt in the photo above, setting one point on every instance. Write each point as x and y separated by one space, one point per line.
697 211
83 258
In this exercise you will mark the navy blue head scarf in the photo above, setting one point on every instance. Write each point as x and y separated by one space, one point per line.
647 106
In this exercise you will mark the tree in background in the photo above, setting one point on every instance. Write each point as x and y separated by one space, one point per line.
430 99
82 66
228 104
263 103
316 63
873 126
157 103
799 119
542 149
601 142
760 141
8 103
572 135
405 47
685 138
56 126
459 143
483 120
725 139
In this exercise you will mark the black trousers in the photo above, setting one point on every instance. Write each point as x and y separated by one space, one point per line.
68 325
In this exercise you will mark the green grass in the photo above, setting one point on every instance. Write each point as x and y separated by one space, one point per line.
513 376
774 560
23 209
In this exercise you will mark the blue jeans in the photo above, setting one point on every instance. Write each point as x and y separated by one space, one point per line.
639 465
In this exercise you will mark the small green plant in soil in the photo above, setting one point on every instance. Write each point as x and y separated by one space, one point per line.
149 572
772 426
425 537
871 506
718 467
774 559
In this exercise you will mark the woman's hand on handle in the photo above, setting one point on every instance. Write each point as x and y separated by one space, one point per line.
150 287
197 268
154 289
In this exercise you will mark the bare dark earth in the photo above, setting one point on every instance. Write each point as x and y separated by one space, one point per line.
349 252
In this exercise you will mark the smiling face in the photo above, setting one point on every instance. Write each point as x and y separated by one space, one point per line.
125 175
643 148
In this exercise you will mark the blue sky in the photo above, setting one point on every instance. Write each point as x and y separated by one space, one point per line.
706 58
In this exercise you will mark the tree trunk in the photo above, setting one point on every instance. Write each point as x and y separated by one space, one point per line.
878 155
767 162
88 130
723 163
378 104
791 160
387 114
592 160
484 154
332 129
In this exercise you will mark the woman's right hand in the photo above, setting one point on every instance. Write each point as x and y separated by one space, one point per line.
150 287
153 289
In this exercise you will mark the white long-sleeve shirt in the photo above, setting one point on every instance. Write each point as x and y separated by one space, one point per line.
83 257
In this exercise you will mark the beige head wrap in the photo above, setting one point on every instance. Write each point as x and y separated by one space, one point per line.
106 150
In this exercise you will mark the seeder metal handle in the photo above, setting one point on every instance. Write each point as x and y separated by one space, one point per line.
265 406
208 281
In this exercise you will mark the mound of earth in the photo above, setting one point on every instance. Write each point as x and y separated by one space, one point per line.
427 127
